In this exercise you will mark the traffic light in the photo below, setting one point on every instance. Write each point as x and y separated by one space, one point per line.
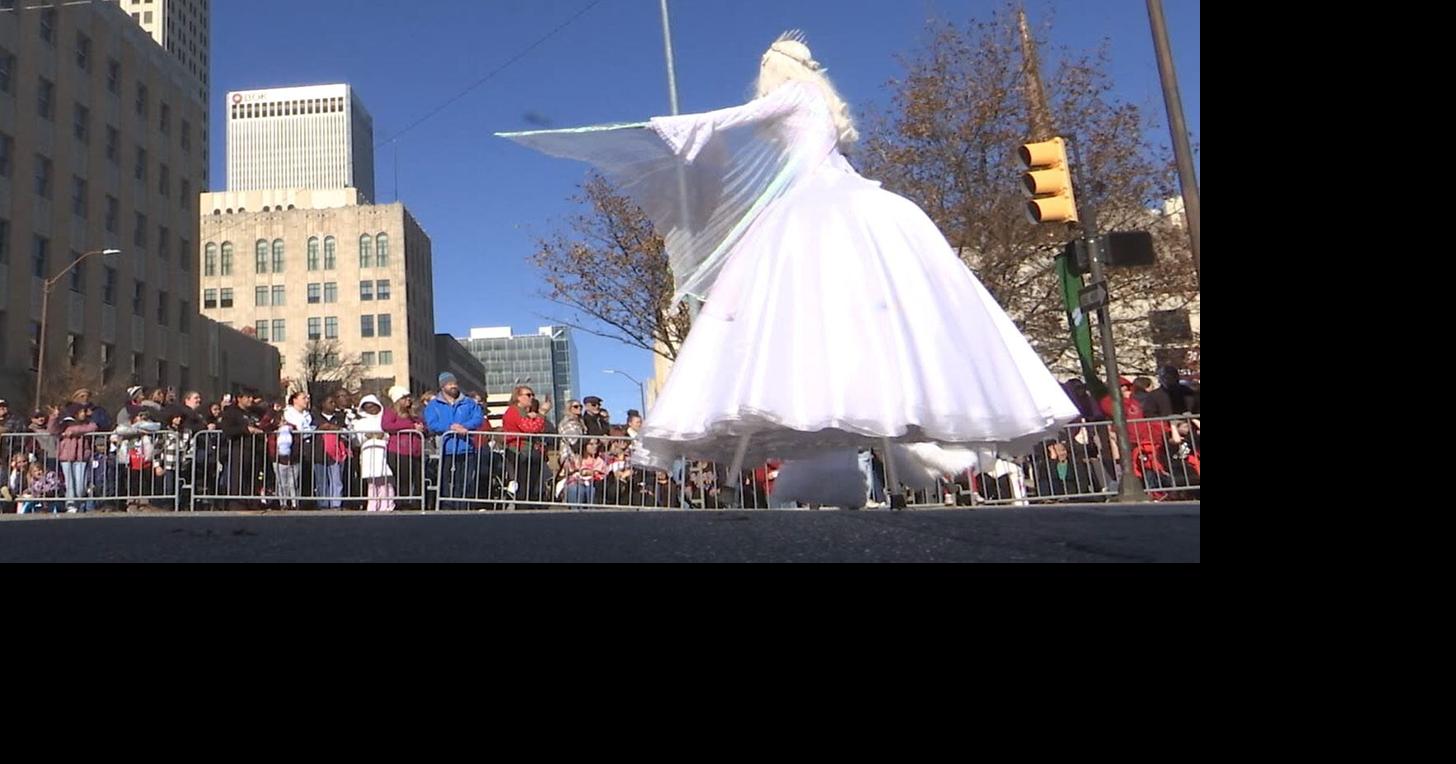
1048 181
1078 261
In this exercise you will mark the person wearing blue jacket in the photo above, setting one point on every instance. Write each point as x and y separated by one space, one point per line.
454 416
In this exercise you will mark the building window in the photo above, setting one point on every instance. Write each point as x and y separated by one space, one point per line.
313 328
331 292
138 298
225 298
313 293
4 240
313 253
331 328
73 349
381 289
186 135
386 357
113 214
113 76
42 177
381 247
164 180
139 170
184 199
108 362
260 256
366 251
366 325
48 25
385 325
34 345
78 274
367 358
277 294
108 286
260 296
113 145
83 51
278 331
45 99
186 259
226 267
209 299
139 233
184 317
162 308
7 151
79 205
164 122
366 291
209 260
7 72
277 255
81 123
329 251
141 100
261 330
39 254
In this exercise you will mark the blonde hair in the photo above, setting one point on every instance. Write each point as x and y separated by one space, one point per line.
789 59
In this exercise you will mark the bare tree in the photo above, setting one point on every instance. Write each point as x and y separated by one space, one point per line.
64 378
324 368
610 267
949 143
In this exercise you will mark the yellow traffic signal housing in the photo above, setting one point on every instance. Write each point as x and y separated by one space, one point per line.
1048 181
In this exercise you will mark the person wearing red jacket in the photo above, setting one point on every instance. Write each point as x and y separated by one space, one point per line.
529 456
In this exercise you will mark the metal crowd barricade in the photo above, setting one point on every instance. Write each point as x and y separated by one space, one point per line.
141 467
324 469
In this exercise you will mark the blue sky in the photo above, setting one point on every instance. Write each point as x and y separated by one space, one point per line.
483 199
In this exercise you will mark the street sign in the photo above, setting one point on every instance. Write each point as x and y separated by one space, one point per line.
1093 296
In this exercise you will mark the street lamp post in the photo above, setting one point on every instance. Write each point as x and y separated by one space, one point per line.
641 391
45 304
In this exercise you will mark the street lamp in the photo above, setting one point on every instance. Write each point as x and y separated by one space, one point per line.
45 300
641 392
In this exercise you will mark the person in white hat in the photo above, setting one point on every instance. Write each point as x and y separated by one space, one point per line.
406 448
373 464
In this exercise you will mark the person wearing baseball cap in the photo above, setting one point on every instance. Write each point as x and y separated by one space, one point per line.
593 417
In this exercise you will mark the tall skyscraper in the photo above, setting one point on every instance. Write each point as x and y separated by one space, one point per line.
182 28
101 148
545 360
316 137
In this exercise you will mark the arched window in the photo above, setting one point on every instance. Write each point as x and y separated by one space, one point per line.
260 256
209 260
381 250
277 255
366 251
227 259
330 249
313 263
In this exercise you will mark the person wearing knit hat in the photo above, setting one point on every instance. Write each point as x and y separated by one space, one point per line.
397 392
455 416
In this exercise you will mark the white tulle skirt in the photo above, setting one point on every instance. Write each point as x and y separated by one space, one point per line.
845 318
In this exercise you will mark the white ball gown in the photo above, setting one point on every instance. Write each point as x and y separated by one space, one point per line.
836 315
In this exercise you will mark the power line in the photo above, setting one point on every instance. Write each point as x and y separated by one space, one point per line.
492 73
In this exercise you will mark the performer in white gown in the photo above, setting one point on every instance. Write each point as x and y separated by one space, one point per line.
835 313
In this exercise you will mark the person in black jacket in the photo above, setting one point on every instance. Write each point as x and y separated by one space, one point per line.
594 418
244 452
